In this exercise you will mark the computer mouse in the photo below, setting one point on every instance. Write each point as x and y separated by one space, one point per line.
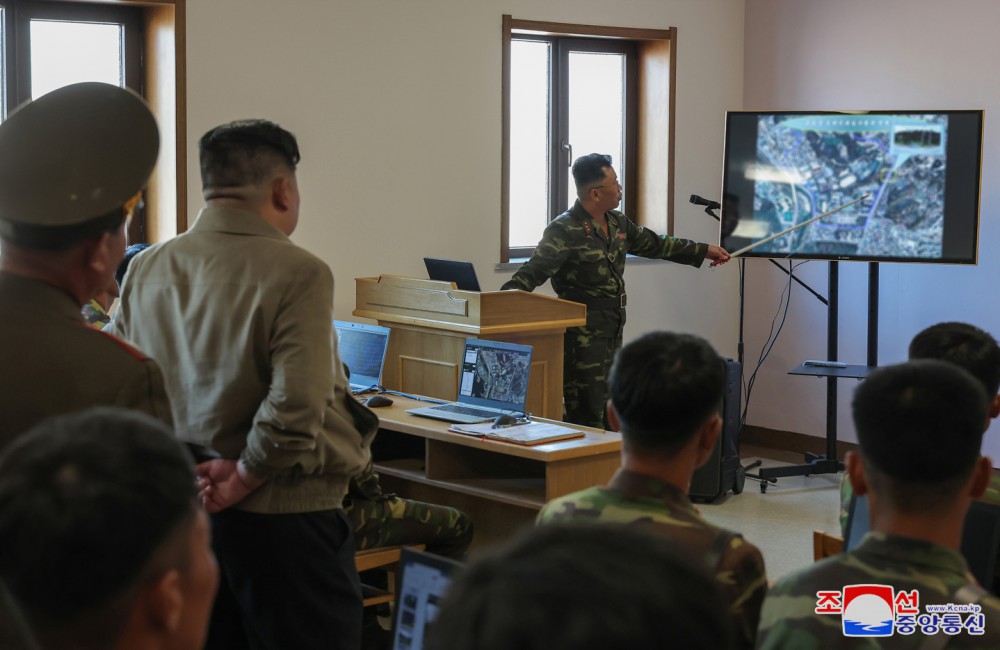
504 420
376 401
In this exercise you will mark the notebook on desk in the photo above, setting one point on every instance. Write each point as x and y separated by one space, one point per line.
494 381
423 580
362 347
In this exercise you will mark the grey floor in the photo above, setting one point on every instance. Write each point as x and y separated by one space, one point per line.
780 522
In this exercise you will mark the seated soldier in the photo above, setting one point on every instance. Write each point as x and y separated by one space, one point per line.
920 427
971 349
583 587
666 393
381 519
103 543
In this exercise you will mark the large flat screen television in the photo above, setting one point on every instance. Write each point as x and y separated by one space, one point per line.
920 170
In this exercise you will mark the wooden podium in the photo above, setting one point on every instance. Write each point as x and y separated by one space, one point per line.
430 321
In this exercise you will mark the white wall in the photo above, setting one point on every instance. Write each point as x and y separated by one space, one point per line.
396 105
870 54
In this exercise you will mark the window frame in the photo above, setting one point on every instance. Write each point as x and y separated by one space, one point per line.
27 10
560 159
652 166
161 80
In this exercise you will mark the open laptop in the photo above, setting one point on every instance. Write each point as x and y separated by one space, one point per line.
463 274
980 536
362 347
423 580
494 381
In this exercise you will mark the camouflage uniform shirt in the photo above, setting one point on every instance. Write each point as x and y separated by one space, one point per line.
584 264
992 495
587 266
632 498
789 619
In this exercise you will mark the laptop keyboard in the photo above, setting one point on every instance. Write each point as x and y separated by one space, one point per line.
465 410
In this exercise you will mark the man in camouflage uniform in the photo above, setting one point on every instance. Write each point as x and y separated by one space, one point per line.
920 427
386 520
666 392
583 251
973 350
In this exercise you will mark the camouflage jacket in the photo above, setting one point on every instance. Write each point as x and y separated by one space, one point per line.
789 619
584 264
992 495
645 501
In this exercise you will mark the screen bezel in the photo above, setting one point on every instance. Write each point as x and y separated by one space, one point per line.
969 197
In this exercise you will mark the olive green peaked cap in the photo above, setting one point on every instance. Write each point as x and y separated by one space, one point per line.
72 156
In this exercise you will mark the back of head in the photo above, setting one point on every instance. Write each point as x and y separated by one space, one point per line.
70 161
243 154
663 387
582 587
965 345
589 170
919 428
87 503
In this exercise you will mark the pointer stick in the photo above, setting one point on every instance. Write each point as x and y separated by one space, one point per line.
796 227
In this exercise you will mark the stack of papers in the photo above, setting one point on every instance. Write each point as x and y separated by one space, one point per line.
532 433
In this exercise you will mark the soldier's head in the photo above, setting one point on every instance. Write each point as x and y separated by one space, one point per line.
968 347
596 181
582 587
72 165
251 164
103 543
920 428
666 392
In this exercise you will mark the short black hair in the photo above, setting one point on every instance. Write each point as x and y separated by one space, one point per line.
583 587
920 429
245 152
86 501
664 385
589 169
965 345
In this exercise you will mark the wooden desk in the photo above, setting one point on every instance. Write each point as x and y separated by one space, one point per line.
502 486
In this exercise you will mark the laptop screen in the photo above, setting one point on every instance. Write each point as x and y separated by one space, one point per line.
423 580
463 274
362 347
495 374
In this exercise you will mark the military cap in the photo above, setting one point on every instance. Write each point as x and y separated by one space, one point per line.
69 162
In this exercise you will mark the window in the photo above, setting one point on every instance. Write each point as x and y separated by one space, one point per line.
53 44
569 90
134 44
568 97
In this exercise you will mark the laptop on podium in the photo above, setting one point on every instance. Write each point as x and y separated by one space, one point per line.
463 274
494 382
362 347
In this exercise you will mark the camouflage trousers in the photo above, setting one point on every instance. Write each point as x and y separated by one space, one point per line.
587 356
388 520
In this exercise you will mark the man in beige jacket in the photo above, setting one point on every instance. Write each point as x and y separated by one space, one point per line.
240 319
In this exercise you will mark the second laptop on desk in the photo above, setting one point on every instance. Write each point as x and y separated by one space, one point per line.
493 381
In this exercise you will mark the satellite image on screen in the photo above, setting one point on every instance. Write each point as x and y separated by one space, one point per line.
809 164
501 375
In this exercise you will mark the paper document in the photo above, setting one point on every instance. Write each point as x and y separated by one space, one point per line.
533 433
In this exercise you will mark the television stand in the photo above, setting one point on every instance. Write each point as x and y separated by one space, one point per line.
828 463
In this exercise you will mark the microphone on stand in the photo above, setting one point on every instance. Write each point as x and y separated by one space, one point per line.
711 205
